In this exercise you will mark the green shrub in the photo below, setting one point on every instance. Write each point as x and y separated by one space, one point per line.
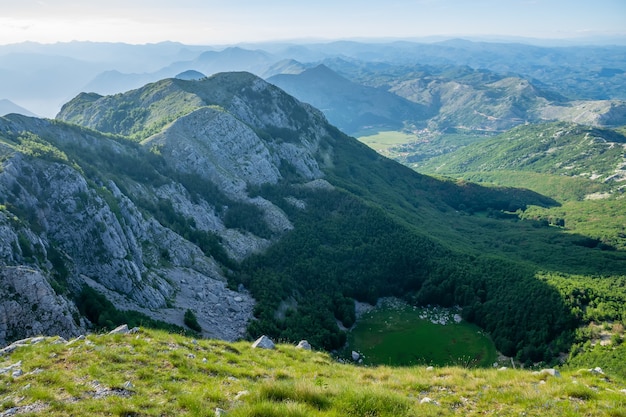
191 321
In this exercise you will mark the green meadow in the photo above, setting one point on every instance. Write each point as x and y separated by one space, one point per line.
405 336
380 141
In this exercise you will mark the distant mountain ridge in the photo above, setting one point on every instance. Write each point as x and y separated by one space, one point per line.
440 99
348 105
7 106
591 73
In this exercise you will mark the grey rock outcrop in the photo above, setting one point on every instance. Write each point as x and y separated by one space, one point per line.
551 372
264 342
29 306
123 329
303 344
80 234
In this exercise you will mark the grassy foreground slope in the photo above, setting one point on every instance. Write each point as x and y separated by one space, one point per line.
152 373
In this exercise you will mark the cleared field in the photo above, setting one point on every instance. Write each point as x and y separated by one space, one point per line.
406 336
383 140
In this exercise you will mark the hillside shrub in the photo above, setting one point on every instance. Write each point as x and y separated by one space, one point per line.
191 321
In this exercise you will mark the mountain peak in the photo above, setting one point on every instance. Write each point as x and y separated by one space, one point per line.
324 72
7 107
190 75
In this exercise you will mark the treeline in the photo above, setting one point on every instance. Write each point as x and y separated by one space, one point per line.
342 249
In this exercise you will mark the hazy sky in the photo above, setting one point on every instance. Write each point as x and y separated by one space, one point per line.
232 21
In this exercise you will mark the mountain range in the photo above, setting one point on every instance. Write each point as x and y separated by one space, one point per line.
7 106
439 100
348 105
228 207
43 77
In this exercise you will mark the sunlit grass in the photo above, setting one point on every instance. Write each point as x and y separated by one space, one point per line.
382 140
154 373
397 336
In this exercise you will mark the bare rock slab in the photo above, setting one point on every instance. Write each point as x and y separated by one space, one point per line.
264 342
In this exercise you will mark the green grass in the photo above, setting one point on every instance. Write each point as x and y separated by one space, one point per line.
154 373
397 336
380 141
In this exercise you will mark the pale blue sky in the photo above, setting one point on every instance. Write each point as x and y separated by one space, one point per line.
233 21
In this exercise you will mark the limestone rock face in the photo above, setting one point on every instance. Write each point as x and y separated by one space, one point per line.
78 233
29 306
219 147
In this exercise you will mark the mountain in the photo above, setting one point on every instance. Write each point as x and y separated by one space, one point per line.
460 97
497 105
228 207
208 62
43 77
553 148
7 106
443 99
577 72
349 106
580 166
286 66
190 75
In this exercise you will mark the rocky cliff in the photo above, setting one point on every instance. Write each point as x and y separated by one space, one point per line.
152 226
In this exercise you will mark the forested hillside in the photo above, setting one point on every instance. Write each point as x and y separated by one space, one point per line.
582 168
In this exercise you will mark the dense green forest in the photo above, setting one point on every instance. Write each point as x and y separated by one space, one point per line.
343 248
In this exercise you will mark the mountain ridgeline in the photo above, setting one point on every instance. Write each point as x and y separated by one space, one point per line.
228 206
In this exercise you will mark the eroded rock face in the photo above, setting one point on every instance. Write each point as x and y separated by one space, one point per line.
219 147
113 247
29 306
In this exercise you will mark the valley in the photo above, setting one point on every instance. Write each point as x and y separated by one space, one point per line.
238 205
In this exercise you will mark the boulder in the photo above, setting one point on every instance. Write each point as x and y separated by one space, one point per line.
304 345
552 372
123 329
11 368
597 371
355 356
264 342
